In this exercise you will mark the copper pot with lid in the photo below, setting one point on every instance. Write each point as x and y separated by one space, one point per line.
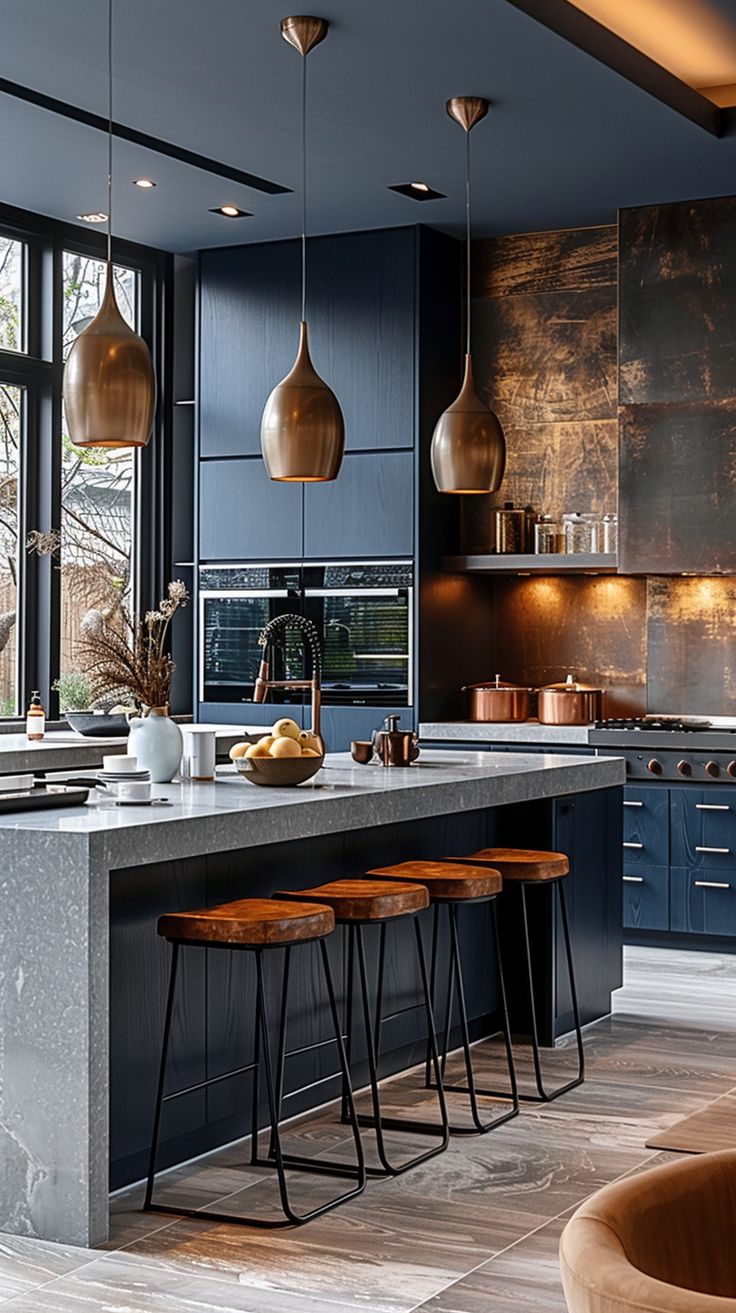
570 703
497 701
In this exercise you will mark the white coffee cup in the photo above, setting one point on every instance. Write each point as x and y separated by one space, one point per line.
115 765
199 755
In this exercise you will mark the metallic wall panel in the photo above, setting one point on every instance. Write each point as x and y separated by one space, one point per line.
691 658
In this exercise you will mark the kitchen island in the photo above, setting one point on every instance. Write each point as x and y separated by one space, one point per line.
84 973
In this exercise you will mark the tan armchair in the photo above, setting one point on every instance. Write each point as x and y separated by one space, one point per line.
663 1241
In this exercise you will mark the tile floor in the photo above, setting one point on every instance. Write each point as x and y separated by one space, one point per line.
473 1231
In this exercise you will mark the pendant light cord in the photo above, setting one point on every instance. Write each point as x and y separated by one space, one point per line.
467 243
304 187
109 132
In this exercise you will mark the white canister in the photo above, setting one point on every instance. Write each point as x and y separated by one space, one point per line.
200 752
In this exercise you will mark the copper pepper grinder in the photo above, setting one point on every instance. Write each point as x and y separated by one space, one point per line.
393 746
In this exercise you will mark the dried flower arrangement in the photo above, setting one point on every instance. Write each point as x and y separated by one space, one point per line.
131 655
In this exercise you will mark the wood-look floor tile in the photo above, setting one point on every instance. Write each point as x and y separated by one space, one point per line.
26 1264
525 1277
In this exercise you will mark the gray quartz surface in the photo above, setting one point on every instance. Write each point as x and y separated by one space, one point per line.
232 813
61 750
526 731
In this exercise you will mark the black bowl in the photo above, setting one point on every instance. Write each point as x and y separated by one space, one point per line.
98 724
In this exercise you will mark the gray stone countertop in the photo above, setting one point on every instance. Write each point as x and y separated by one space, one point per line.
231 813
62 750
525 731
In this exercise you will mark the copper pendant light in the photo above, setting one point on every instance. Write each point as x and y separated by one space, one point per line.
109 386
302 428
468 451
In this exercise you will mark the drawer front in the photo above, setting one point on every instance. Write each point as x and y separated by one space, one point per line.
646 897
702 902
646 826
703 828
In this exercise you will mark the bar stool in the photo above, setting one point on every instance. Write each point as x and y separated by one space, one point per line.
254 925
361 903
527 868
453 886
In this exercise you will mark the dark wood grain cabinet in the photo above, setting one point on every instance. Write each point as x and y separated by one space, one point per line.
361 315
367 511
243 515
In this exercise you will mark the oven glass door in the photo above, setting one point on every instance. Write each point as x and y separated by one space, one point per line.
235 604
365 626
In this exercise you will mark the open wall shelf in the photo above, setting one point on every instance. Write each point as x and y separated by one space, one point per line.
546 563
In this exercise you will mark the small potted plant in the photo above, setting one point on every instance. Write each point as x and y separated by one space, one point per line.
129 654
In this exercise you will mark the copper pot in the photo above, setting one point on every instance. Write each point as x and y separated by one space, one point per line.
570 703
497 701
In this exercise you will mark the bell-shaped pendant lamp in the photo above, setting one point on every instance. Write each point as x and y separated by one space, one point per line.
468 451
302 428
109 385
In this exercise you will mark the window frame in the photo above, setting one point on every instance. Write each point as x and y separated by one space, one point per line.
39 370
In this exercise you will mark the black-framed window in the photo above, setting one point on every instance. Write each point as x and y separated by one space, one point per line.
77 529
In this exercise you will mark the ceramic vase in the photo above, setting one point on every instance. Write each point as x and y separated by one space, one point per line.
156 741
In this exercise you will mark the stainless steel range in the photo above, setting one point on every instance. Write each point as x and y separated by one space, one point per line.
670 748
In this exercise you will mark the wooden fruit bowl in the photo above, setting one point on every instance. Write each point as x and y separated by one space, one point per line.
278 772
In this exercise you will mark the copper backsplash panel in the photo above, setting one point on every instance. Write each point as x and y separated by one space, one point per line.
691 660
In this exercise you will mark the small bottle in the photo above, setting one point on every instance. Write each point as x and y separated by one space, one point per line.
530 524
610 534
510 529
35 718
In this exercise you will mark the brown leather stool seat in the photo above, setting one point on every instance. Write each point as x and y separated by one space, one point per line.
447 881
454 884
526 868
523 863
252 925
358 905
364 900
250 921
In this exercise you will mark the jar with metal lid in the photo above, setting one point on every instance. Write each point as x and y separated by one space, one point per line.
548 535
578 532
510 529
609 525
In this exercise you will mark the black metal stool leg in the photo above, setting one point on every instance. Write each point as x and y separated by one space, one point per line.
281 1061
543 1095
432 992
377 1120
161 1077
256 1094
349 1008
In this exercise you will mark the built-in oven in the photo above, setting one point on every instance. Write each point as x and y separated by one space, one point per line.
363 613
235 602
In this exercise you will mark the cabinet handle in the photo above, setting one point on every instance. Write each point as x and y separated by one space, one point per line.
633 879
628 803
700 848
633 845
711 884
712 807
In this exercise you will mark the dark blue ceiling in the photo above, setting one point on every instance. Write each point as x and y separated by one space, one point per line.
567 142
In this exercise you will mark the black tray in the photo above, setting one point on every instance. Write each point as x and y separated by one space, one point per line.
98 724
40 797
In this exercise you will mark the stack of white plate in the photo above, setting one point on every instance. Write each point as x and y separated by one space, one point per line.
131 785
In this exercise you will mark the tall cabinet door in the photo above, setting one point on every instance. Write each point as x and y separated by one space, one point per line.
244 515
366 512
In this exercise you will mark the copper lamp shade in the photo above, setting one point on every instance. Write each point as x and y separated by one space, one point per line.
302 428
468 451
109 383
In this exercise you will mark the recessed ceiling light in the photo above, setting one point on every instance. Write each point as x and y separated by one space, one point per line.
231 212
418 191
95 216
143 182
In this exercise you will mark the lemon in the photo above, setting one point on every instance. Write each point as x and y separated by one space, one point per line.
309 740
238 750
310 752
256 750
285 747
286 728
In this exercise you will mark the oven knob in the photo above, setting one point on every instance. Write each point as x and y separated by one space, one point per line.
713 769
684 768
654 766
731 768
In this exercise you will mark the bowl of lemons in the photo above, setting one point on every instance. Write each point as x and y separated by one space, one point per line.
287 756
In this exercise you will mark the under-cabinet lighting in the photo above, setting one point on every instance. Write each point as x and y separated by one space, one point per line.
145 183
94 216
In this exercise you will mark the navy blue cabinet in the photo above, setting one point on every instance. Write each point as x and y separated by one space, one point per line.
361 315
646 826
368 511
646 897
703 902
244 515
703 828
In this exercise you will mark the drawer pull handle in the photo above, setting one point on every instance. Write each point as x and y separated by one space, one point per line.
633 845
634 879
712 807
628 803
711 884
700 848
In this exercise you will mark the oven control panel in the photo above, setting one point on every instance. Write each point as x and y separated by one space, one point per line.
680 766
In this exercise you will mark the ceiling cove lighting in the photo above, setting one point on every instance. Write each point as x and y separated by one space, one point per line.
418 191
109 386
94 216
302 428
468 451
231 212
144 183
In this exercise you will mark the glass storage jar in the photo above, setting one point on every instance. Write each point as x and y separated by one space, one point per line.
548 535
